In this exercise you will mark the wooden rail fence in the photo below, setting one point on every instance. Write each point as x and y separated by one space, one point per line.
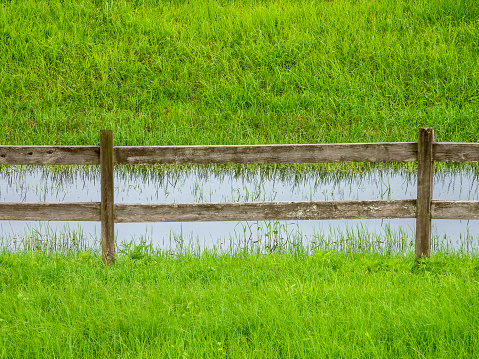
425 152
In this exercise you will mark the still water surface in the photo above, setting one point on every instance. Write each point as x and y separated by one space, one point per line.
200 184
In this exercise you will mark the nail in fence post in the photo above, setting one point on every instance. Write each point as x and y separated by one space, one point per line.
424 192
107 203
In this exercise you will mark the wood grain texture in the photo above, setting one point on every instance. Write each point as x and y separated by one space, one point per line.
456 152
47 211
49 155
107 197
252 211
302 153
455 209
90 211
424 192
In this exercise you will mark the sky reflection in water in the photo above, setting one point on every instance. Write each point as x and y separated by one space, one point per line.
199 184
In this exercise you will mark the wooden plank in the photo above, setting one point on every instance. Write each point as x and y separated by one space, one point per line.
47 211
262 211
49 155
107 197
456 152
90 211
455 209
372 152
302 153
424 192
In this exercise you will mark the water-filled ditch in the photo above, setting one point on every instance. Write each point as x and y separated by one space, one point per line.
235 184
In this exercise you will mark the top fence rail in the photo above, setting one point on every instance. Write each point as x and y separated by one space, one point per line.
238 154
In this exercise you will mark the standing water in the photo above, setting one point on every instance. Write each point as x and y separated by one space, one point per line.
168 184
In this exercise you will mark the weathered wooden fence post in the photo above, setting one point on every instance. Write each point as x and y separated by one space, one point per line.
424 192
107 202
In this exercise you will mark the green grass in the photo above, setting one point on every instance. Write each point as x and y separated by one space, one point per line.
243 305
224 72
238 72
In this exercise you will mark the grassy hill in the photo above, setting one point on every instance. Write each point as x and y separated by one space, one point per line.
236 72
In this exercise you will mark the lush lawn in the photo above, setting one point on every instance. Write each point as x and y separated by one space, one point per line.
327 304
230 72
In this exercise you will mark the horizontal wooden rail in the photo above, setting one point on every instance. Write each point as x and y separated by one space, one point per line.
303 153
230 154
455 152
264 211
50 211
236 211
49 155
454 209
